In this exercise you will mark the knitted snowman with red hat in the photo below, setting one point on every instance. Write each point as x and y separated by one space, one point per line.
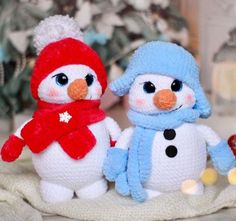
68 134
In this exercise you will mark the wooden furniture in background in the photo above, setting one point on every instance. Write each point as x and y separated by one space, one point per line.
190 10
209 24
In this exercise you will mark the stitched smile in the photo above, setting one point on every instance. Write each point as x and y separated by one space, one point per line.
176 109
172 110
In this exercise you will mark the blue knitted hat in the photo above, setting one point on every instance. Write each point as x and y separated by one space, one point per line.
168 59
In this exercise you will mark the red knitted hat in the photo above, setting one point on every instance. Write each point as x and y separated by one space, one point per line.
67 51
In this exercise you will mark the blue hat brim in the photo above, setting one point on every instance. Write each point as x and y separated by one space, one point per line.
121 86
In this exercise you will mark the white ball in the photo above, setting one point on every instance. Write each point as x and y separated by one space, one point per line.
55 28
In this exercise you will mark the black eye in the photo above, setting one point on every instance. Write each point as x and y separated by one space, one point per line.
89 79
176 85
149 87
61 79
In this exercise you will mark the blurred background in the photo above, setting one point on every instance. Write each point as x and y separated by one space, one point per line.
115 28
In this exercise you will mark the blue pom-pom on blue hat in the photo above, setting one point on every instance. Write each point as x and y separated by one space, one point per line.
168 59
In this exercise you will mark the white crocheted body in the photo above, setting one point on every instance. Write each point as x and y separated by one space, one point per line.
168 173
55 166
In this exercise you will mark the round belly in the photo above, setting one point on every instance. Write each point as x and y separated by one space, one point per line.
177 155
54 165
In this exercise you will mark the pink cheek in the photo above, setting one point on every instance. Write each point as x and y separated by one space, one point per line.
98 91
140 103
189 99
53 92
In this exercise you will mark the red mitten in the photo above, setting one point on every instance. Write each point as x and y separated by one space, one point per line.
12 148
232 143
112 142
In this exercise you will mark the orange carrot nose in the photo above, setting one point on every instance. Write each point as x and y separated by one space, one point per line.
164 99
78 89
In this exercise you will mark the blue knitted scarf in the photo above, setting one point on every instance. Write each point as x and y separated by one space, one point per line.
139 164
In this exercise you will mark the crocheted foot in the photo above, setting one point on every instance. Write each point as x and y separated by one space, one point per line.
192 187
152 193
54 193
93 191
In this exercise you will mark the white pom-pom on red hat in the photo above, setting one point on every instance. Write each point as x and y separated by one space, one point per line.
55 28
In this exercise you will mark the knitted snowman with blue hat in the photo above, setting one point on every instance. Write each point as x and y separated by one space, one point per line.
166 147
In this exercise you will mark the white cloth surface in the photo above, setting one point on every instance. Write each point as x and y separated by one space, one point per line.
20 200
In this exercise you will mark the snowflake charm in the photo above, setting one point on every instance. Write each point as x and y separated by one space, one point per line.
65 117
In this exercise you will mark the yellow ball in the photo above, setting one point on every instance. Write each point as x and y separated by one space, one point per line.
232 176
209 176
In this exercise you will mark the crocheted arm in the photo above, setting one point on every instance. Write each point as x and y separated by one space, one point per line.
13 147
125 139
222 157
113 129
117 157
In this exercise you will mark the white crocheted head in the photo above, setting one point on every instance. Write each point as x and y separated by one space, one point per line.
66 69
153 93
69 83
171 75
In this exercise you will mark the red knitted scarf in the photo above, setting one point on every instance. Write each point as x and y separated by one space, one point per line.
67 124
